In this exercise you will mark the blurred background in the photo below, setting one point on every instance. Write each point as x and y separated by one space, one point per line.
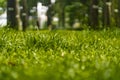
59 14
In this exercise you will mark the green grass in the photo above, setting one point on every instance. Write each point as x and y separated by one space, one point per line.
60 55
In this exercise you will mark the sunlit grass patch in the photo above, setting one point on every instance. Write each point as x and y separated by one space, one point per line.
59 55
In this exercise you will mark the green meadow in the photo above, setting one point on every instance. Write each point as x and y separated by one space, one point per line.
60 55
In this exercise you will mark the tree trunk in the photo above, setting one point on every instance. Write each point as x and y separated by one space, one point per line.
119 13
24 14
49 16
94 14
49 13
62 17
106 13
13 14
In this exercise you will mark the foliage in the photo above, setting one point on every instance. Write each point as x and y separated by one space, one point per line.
76 11
87 12
59 55
2 3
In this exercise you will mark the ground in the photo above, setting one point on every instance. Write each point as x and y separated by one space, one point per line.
60 55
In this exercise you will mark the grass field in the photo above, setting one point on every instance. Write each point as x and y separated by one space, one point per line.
60 55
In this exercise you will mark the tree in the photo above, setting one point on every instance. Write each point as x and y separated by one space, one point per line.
106 12
49 13
60 8
77 11
24 14
94 14
2 3
119 13
13 14
62 15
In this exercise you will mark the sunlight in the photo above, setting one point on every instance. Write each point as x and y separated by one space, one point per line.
53 1
3 19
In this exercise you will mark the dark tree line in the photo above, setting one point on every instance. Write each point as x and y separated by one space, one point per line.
13 14
85 11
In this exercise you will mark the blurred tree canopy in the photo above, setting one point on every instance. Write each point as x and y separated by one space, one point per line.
93 13
3 3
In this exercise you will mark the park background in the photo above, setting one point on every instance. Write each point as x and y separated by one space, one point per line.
59 39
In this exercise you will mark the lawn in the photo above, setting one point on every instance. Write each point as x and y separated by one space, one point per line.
60 55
